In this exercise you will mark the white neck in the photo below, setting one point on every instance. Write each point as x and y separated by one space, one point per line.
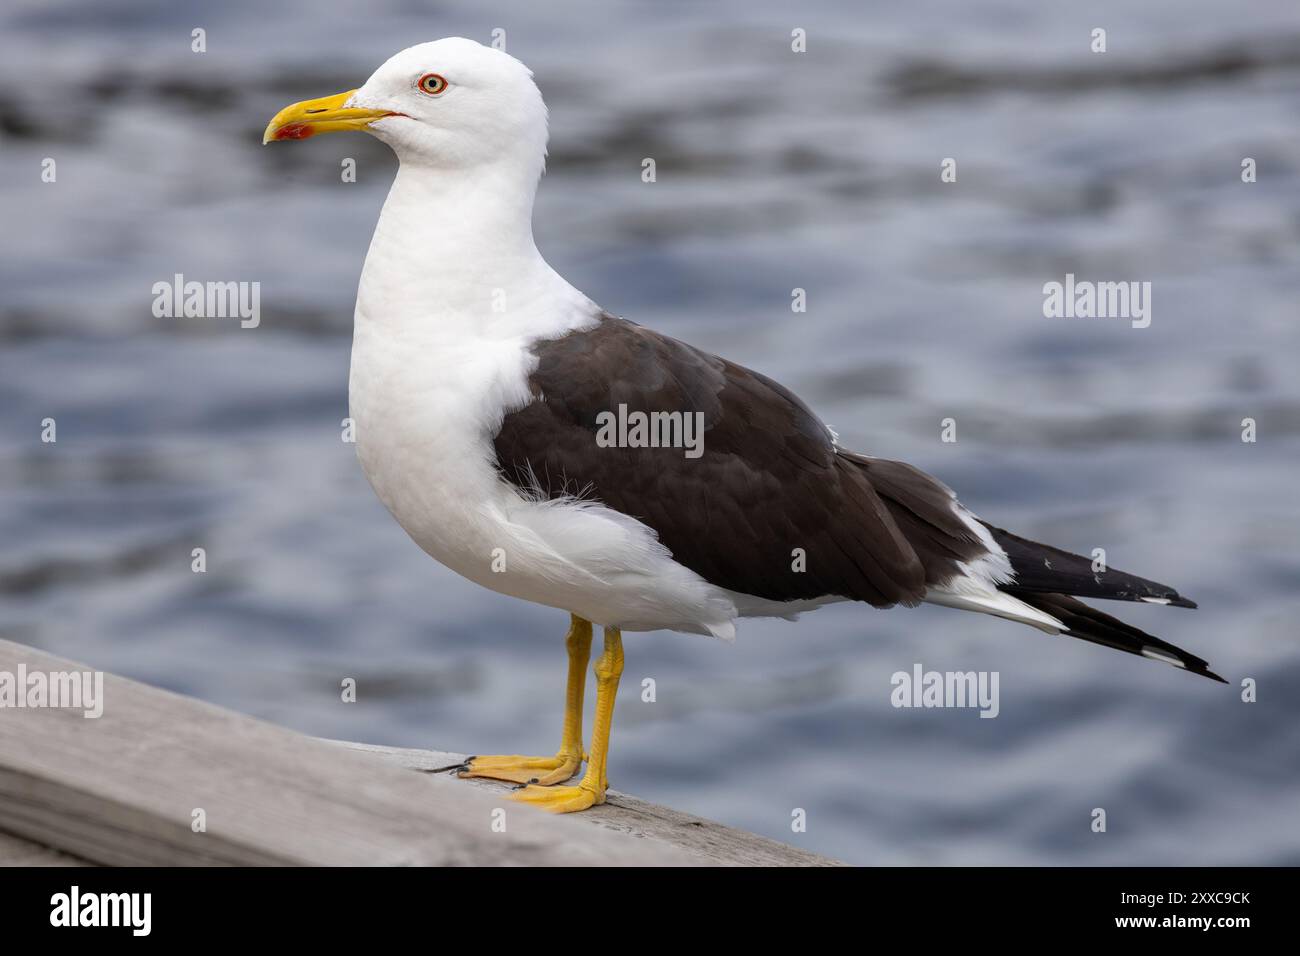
453 254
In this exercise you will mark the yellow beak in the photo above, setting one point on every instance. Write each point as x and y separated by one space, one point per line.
325 115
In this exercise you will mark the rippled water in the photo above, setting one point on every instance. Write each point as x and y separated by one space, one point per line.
776 171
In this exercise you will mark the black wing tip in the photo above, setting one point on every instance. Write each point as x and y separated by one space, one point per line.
1169 598
1203 670
1182 660
1087 623
1195 665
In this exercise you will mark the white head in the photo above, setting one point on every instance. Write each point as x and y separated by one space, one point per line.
449 104
469 127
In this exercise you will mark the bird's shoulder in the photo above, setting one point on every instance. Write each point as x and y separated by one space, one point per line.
617 362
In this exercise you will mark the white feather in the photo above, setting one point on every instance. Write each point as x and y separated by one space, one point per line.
975 586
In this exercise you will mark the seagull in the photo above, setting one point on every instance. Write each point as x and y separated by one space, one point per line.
551 451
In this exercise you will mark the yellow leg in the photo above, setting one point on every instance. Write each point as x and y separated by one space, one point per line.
591 789
546 771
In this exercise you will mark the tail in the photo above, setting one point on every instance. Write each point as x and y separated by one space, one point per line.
1046 577
972 566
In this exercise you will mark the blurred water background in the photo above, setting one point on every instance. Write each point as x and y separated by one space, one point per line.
775 171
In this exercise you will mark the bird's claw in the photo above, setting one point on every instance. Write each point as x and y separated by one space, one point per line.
453 768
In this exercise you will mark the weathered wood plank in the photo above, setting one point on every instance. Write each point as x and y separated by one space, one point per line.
715 843
121 790
15 851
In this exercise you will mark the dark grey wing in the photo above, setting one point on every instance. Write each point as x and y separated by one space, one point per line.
769 480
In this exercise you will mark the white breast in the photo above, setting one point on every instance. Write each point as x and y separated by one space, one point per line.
425 411
420 410
453 293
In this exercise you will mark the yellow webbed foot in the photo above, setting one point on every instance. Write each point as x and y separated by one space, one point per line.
539 775
539 771
561 799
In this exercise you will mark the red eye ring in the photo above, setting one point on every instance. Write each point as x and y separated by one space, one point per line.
431 83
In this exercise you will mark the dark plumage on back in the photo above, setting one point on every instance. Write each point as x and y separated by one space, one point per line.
770 479
924 511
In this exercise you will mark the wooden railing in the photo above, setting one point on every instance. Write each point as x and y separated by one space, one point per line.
163 779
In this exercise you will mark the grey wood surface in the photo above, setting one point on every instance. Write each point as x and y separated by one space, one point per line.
623 813
15 851
123 789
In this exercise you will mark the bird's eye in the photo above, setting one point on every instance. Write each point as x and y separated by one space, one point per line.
432 83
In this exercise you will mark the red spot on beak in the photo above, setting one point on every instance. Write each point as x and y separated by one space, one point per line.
294 131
